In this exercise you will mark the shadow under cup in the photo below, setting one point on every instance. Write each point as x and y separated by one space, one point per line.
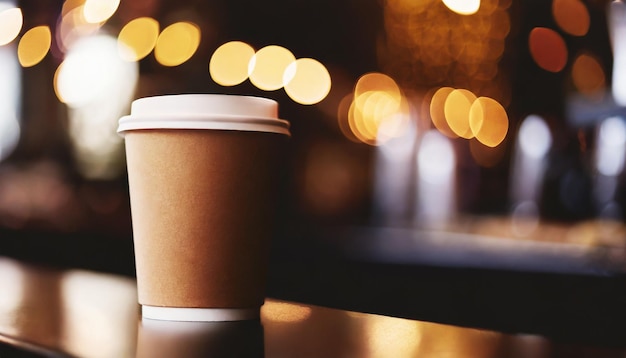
202 179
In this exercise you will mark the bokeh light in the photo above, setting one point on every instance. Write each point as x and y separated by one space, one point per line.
547 49
437 113
11 21
463 7
97 11
229 64
34 45
137 38
617 31
436 159
343 121
97 86
535 138
86 74
307 81
268 65
73 26
70 5
373 108
379 111
571 16
428 45
11 99
457 112
611 146
588 75
357 121
177 43
376 81
488 121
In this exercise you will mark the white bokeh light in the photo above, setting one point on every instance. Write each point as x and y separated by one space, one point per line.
534 137
611 146
617 30
436 178
98 86
10 93
435 159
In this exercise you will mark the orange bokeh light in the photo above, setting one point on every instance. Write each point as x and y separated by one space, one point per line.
547 49
572 16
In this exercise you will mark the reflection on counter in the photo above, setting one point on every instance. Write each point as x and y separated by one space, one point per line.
199 339
86 314
79 313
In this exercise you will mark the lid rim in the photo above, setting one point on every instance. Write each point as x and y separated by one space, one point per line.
262 126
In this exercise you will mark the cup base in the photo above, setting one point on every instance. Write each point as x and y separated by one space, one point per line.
199 314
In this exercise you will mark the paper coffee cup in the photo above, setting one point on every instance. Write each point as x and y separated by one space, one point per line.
202 181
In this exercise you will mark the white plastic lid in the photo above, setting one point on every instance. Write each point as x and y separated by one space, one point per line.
204 111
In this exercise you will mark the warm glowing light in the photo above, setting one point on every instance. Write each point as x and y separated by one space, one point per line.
427 45
437 114
229 64
138 38
535 138
357 126
457 112
379 110
376 82
285 312
392 337
307 81
572 16
97 11
379 107
342 117
547 49
364 123
463 7
395 118
73 25
70 5
34 45
268 65
177 43
377 116
488 121
588 75
11 21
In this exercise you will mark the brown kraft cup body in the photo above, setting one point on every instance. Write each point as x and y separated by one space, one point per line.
203 209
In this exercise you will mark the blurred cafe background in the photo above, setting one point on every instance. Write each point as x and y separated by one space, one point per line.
495 118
